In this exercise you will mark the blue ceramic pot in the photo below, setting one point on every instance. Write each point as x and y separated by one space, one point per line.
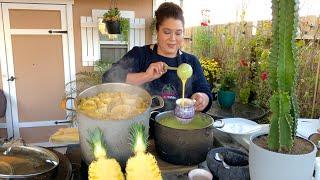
226 98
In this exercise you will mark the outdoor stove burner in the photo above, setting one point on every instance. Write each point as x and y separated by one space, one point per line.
64 169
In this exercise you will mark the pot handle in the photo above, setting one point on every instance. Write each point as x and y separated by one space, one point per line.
161 102
220 125
63 104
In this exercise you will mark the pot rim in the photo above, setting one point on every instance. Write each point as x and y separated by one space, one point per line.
255 135
168 112
36 149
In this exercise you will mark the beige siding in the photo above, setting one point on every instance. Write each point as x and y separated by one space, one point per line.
24 61
37 134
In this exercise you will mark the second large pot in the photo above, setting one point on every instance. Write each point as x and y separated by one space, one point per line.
183 146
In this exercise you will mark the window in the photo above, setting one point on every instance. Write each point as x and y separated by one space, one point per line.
112 46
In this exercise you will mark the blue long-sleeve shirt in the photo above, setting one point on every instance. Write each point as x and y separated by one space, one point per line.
168 86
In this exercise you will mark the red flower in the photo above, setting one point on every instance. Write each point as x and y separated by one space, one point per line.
204 24
243 63
264 75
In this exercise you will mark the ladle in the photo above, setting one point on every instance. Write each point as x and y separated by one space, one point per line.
167 67
219 157
184 70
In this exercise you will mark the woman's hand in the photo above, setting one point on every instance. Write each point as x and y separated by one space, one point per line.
202 101
155 70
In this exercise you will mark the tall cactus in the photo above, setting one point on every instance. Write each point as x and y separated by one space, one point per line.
282 75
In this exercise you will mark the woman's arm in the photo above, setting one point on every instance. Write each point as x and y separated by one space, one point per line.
131 62
154 71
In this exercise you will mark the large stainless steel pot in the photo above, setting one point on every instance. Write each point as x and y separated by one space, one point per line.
183 146
27 162
116 131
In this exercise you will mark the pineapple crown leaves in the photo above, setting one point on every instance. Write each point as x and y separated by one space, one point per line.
138 138
97 143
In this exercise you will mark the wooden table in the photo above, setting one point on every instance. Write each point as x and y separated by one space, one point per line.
166 167
169 171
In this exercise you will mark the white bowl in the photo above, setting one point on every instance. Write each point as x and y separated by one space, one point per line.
202 174
241 129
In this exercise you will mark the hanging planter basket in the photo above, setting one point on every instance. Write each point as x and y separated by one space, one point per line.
113 27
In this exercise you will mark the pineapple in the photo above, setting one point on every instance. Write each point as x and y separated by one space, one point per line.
102 168
142 166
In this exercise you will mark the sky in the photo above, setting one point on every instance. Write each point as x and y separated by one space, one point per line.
224 11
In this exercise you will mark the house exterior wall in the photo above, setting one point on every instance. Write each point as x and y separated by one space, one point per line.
142 9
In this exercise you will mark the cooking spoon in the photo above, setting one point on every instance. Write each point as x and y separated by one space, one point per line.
166 66
219 157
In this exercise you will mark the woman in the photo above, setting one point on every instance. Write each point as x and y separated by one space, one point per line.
146 65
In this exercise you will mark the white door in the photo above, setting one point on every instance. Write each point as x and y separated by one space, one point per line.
39 55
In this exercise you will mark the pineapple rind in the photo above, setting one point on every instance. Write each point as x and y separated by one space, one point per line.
105 169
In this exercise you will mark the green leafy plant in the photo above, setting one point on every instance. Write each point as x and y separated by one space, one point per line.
211 71
113 14
153 25
203 42
244 95
283 75
88 78
124 28
228 81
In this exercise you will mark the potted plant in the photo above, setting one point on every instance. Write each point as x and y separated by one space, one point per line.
115 24
112 20
280 154
226 93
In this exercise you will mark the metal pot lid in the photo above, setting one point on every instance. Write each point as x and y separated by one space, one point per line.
26 161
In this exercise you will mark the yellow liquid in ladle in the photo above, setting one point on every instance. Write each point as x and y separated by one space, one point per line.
184 72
